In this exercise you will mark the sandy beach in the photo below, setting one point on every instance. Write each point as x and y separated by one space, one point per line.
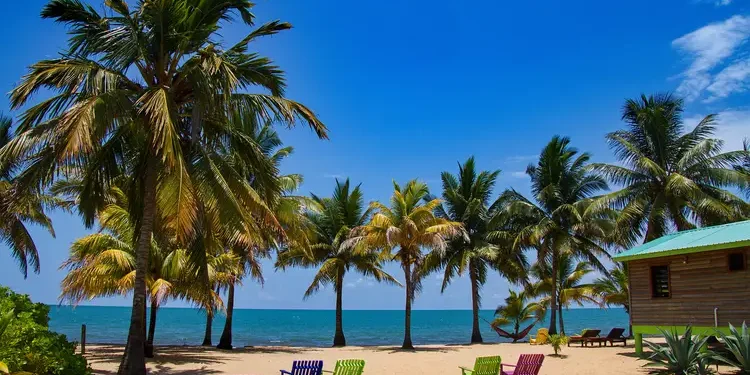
439 359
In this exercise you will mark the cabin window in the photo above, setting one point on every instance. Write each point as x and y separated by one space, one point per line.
737 262
660 281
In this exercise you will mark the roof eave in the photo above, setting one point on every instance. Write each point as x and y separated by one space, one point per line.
689 250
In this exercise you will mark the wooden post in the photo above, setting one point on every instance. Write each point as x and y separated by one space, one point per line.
83 339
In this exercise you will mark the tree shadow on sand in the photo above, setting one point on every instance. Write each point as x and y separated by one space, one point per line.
164 360
419 349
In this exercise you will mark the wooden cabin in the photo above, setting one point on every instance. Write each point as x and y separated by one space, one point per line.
697 277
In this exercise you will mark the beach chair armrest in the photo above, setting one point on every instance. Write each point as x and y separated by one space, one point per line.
465 370
285 372
330 372
503 364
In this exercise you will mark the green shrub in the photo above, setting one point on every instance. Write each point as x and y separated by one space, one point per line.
680 355
738 344
29 345
558 342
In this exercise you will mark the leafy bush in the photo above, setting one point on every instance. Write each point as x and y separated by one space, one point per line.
738 343
29 345
680 355
558 342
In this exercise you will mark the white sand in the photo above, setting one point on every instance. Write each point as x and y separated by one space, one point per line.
434 359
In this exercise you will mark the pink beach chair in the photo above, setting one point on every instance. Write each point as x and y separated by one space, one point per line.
528 364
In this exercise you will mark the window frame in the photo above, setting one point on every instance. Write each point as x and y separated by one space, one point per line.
651 280
744 261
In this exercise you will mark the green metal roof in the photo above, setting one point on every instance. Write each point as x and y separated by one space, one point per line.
718 237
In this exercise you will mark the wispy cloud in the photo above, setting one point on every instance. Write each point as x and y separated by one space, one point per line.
709 48
718 3
732 127
334 175
519 174
520 158
731 79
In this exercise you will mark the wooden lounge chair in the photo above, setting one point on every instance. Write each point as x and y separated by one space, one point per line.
584 338
615 335
528 364
348 367
541 338
305 368
484 366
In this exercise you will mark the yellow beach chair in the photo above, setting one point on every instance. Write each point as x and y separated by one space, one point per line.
541 338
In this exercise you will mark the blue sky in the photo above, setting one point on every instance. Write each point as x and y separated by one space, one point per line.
408 89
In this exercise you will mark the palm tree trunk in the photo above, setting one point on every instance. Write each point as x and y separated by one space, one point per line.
560 316
476 334
225 342
134 360
152 320
407 313
553 298
209 322
338 337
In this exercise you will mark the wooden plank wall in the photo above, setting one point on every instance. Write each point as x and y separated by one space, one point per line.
698 284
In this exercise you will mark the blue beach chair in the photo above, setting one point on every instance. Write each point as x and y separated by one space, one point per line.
305 368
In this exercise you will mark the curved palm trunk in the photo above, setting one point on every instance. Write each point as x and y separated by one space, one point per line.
560 316
476 334
207 336
225 342
553 299
338 337
407 311
152 320
134 360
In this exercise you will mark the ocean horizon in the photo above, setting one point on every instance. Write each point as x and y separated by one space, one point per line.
306 328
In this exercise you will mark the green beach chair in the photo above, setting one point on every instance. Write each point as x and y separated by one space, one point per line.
348 367
484 366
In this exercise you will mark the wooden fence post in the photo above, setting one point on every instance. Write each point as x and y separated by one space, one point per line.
83 339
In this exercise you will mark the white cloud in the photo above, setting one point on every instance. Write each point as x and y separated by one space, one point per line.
519 174
718 3
732 127
708 48
520 158
730 80
333 175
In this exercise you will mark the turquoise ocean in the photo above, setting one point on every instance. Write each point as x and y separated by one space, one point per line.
184 326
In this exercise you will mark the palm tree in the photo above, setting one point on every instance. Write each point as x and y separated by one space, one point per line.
17 210
570 288
331 226
146 92
517 310
614 290
744 165
409 225
103 264
671 178
562 218
466 200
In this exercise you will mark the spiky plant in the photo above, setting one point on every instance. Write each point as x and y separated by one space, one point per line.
681 355
737 342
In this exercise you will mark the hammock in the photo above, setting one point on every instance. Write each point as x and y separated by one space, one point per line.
503 333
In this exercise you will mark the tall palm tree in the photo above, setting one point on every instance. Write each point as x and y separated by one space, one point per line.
517 310
103 264
466 200
145 92
408 225
570 288
744 165
17 210
671 178
562 218
615 289
332 225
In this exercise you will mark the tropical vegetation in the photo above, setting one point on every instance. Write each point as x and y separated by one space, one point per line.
682 355
737 343
467 200
165 139
28 346
403 230
518 311
332 221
